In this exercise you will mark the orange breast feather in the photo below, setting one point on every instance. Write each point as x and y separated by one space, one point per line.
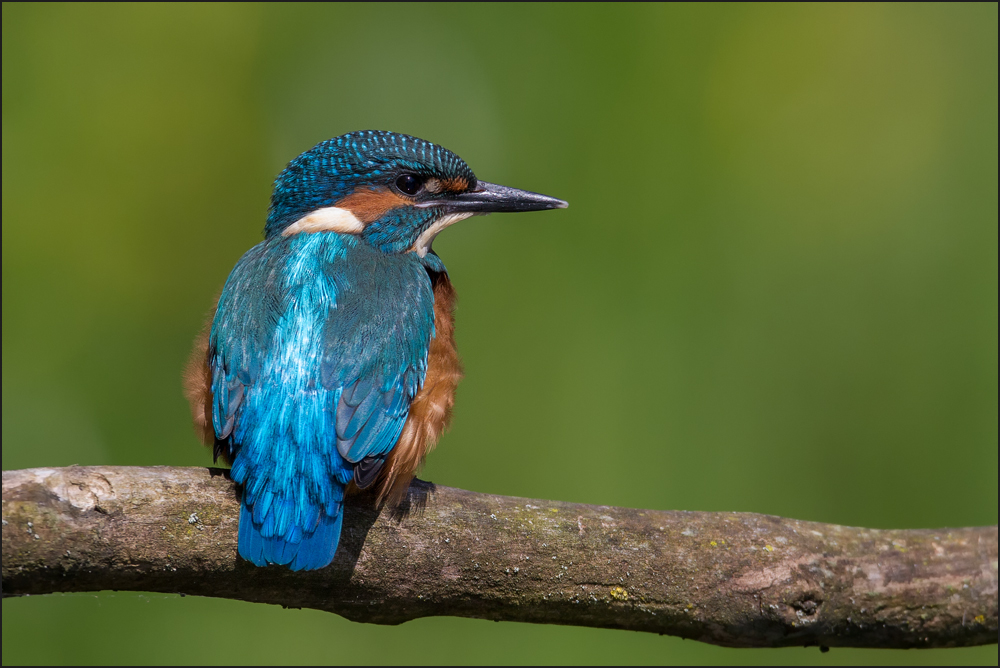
198 384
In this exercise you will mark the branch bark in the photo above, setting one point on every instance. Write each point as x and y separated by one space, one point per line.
736 579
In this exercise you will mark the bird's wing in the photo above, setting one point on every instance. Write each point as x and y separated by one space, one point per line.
371 412
315 357
369 364
375 355
249 309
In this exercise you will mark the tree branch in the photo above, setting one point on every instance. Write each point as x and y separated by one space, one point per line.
735 579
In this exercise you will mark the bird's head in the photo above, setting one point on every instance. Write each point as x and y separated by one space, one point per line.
394 191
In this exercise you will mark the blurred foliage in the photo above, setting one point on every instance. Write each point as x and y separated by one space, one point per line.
775 289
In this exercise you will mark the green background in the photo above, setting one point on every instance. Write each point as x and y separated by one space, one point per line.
775 289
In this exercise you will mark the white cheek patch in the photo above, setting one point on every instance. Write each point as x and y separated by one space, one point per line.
426 238
332 219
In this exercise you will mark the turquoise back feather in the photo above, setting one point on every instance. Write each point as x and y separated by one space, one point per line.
318 346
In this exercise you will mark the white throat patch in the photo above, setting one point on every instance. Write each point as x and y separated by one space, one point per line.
426 238
331 218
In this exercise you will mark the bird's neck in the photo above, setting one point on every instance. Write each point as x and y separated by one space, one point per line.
334 244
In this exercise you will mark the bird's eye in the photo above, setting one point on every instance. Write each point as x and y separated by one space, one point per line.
409 184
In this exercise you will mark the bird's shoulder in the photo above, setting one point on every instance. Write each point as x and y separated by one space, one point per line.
354 289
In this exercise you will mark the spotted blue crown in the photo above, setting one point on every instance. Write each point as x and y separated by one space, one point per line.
334 168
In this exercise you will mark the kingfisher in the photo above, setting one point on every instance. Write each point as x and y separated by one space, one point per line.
329 364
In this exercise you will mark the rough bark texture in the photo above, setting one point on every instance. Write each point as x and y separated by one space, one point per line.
735 579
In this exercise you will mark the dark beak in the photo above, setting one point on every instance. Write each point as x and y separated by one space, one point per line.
491 198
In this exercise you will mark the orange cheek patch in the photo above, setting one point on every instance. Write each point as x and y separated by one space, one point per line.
455 185
370 204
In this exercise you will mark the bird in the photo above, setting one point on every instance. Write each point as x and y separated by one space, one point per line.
328 364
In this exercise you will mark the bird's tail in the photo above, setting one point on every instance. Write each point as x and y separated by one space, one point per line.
300 549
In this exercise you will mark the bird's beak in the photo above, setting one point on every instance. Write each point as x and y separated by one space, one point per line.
492 198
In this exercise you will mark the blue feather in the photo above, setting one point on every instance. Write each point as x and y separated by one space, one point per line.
318 347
